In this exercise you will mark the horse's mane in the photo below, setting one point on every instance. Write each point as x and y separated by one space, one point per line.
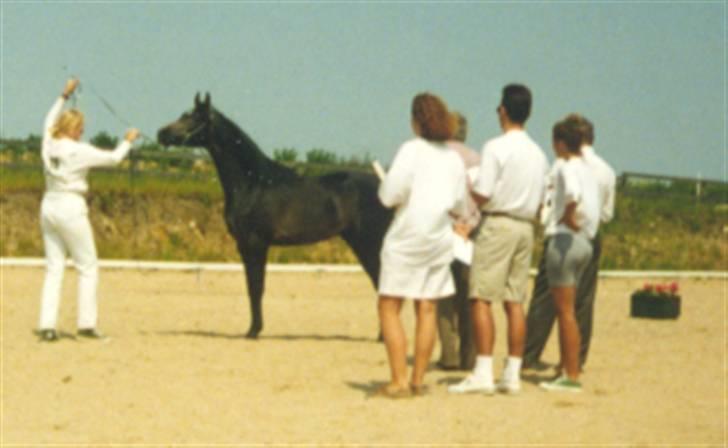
248 155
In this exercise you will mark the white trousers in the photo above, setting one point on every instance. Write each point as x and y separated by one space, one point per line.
66 229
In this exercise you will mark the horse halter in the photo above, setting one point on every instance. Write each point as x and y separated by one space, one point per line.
195 131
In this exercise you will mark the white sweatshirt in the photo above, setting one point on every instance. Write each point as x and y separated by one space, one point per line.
66 162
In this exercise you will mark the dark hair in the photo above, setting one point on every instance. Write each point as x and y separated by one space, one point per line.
433 118
569 132
588 131
517 102
585 126
461 133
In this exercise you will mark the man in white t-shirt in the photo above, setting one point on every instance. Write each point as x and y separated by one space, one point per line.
509 190
541 312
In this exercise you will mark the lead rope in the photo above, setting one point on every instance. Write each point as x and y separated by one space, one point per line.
132 157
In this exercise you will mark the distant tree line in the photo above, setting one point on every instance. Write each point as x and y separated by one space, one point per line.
321 157
288 156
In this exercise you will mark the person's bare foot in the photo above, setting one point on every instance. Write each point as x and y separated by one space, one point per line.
393 391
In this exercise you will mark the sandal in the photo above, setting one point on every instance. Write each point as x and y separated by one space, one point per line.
419 390
393 392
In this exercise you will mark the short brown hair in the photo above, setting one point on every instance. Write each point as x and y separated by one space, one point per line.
586 127
431 114
461 133
588 131
569 132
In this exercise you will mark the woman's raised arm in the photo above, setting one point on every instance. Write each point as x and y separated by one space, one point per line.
52 115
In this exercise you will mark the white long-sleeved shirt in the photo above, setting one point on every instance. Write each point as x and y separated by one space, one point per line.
512 172
471 159
426 183
574 182
606 180
66 162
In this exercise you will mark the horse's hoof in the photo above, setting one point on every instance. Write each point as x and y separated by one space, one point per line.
252 333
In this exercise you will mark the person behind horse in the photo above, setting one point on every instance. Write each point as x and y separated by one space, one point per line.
510 189
426 184
64 213
542 312
573 222
454 327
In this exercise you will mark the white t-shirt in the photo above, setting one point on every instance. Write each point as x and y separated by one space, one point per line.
426 182
606 180
66 162
574 181
512 172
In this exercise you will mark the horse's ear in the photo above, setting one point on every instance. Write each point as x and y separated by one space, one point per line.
206 108
197 99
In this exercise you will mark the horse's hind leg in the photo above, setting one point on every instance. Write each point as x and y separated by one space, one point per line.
366 253
254 259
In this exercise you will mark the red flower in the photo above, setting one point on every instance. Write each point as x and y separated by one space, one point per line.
660 289
674 287
647 287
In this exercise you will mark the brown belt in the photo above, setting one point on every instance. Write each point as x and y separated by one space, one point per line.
505 215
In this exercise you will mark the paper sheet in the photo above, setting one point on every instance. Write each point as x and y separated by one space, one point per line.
463 249
378 169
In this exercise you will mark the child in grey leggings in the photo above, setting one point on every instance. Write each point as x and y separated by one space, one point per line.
573 222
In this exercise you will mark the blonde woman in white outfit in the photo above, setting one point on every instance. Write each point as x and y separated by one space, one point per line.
64 214
426 184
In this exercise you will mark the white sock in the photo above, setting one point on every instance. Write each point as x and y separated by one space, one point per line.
484 367
512 372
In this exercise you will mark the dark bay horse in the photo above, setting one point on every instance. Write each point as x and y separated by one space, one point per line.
267 203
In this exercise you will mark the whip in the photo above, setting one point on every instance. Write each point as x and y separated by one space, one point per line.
107 105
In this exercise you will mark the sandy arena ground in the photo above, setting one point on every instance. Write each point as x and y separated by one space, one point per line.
177 370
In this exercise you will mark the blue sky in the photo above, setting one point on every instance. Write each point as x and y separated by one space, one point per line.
340 76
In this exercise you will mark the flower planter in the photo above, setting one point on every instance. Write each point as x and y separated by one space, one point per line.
655 307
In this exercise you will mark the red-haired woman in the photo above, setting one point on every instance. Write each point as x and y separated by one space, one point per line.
426 184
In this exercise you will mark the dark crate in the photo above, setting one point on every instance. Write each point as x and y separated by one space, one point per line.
655 307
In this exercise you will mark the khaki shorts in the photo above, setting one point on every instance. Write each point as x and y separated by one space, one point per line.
502 257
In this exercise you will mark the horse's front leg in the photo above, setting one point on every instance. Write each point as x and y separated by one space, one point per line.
254 260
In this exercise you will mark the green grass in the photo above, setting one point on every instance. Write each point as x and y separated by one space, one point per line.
669 230
26 179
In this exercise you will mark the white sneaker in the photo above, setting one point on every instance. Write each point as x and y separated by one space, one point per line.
509 387
472 384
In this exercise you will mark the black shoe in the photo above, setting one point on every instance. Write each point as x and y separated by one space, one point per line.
91 333
446 367
48 335
467 366
536 366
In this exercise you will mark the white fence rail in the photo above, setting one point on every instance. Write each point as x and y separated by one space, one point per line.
322 268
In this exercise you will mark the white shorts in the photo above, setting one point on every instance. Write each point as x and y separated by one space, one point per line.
416 283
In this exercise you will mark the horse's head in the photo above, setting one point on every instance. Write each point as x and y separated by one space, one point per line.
192 128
